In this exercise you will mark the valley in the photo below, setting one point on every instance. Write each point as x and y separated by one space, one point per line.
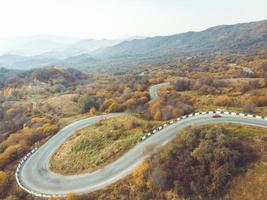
111 119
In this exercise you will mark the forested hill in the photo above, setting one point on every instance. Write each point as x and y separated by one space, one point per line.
153 51
57 75
246 36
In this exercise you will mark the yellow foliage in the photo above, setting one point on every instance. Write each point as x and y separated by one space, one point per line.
108 103
8 91
139 174
71 196
223 101
49 129
93 111
262 83
3 178
114 107
39 120
130 102
12 197
158 116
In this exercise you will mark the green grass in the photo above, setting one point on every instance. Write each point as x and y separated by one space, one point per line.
261 170
97 145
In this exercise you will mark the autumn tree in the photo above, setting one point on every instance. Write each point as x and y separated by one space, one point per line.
223 101
93 111
157 116
245 87
86 102
199 163
72 196
3 180
182 84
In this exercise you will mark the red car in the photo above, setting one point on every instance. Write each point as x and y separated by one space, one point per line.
216 116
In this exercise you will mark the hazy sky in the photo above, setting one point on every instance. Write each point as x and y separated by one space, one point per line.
116 18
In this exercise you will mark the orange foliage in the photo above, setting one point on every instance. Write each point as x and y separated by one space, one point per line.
10 153
139 175
157 116
3 178
223 101
39 120
71 196
49 129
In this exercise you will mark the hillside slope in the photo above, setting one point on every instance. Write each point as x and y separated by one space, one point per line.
96 54
220 38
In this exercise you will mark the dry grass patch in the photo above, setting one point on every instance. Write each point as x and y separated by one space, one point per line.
62 104
253 184
97 145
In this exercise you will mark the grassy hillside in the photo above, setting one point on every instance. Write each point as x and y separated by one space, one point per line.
97 145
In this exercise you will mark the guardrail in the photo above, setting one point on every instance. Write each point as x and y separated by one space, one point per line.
20 182
146 136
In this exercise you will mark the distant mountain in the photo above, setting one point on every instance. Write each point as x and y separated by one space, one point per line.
110 54
82 60
75 54
246 36
26 62
29 62
39 51
8 60
88 45
85 46
35 45
52 46
134 37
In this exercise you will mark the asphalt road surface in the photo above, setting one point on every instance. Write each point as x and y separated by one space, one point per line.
153 90
36 176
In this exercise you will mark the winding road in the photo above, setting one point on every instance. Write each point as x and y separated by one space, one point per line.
153 90
34 176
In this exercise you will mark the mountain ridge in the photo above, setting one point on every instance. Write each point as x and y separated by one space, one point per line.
152 50
222 37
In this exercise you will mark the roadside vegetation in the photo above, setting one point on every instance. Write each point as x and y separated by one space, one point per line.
35 104
225 162
97 145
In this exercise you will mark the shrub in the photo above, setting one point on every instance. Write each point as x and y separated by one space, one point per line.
3 179
260 100
157 116
181 85
71 196
13 197
39 120
86 102
49 129
249 108
200 163
223 101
